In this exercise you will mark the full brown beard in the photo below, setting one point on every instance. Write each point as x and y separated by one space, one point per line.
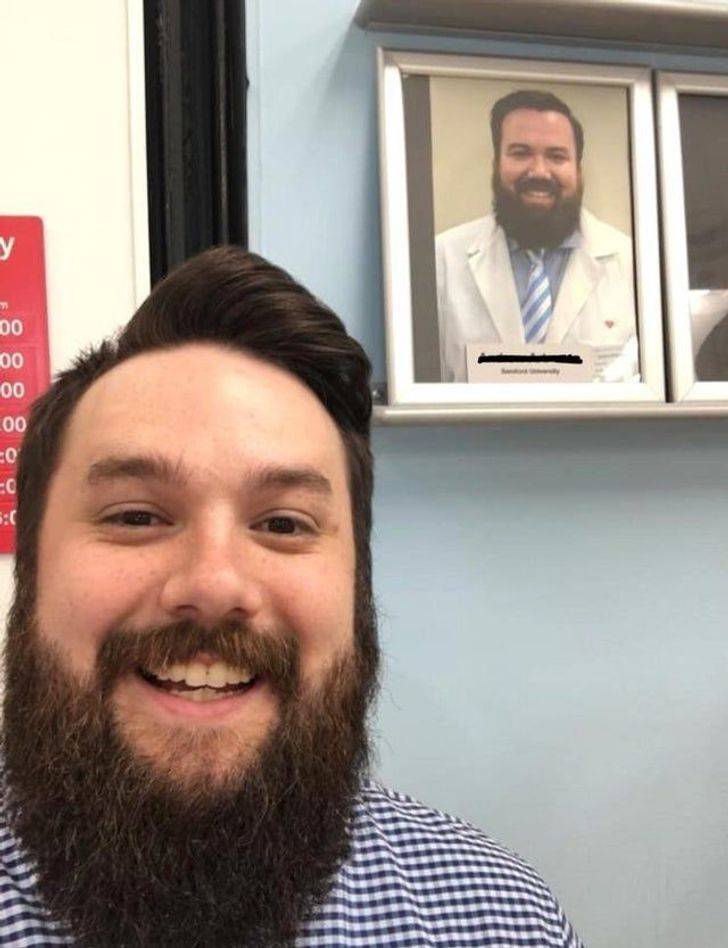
127 855
536 228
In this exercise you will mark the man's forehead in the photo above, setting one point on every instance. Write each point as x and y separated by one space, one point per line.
547 123
224 395
184 362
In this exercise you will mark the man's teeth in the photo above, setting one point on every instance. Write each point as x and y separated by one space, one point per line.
200 694
197 675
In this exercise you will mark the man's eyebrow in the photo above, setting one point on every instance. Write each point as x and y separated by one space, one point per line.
142 466
159 468
282 476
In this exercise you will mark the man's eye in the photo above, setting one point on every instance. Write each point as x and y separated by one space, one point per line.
284 525
281 525
134 518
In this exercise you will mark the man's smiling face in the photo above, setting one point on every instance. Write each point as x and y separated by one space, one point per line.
191 653
198 487
538 161
537 180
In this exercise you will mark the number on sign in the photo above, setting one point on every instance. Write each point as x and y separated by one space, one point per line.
11 327
13 424
12 389
12 360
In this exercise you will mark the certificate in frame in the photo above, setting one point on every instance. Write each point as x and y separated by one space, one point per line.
416 352
692 120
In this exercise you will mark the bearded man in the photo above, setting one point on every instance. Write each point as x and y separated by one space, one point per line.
192 652
540 269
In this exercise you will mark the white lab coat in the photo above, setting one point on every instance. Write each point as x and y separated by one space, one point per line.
477 300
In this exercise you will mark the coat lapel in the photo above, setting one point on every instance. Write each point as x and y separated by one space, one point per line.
582 274
580 278
490 264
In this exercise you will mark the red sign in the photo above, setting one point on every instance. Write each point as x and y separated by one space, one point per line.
24 359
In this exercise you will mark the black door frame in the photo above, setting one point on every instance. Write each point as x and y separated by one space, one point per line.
196 86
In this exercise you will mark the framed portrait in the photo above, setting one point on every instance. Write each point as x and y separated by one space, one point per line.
520 232
693 139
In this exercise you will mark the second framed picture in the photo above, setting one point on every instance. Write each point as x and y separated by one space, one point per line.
693 126
520 232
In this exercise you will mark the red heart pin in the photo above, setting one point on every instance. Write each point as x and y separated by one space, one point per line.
609 323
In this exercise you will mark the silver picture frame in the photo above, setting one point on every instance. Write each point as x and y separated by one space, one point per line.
690 312
404 390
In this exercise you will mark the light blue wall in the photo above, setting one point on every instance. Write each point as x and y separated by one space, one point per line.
553 596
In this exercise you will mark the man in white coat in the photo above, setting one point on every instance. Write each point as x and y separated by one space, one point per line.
539 269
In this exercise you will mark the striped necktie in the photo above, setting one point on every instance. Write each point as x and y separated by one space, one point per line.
537 307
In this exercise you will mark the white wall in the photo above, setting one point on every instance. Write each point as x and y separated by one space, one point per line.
66 123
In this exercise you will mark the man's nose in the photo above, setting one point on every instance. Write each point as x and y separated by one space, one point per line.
538 167
212 577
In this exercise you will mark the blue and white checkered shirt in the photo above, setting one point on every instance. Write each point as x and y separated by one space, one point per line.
415 877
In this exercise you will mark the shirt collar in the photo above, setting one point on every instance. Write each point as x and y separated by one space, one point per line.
568 243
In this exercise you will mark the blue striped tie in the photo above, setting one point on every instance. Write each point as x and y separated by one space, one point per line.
537 307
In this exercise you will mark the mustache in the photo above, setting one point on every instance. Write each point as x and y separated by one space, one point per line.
265 653
526 183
